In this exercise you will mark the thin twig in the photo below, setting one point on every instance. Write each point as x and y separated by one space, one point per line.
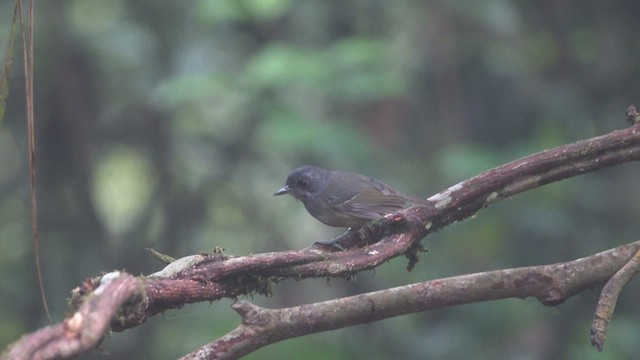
609 298
27 52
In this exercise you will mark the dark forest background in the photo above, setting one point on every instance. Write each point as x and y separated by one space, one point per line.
169 124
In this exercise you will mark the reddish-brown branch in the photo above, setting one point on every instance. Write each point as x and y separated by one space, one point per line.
216 276
82 330
211 277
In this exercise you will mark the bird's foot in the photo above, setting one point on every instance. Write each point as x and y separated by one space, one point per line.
336 243
333 244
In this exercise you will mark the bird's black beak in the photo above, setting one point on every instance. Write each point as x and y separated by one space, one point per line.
284 190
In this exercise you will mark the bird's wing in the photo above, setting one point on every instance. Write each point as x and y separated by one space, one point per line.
369 204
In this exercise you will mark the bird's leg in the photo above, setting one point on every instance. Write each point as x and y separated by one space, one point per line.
335 242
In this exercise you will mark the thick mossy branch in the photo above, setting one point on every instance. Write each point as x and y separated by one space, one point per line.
209 277
203 279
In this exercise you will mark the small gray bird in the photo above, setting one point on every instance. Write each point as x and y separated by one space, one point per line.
343 199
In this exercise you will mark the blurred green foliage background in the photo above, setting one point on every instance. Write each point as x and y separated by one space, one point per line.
169 124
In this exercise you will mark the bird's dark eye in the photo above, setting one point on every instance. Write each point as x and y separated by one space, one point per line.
303 183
